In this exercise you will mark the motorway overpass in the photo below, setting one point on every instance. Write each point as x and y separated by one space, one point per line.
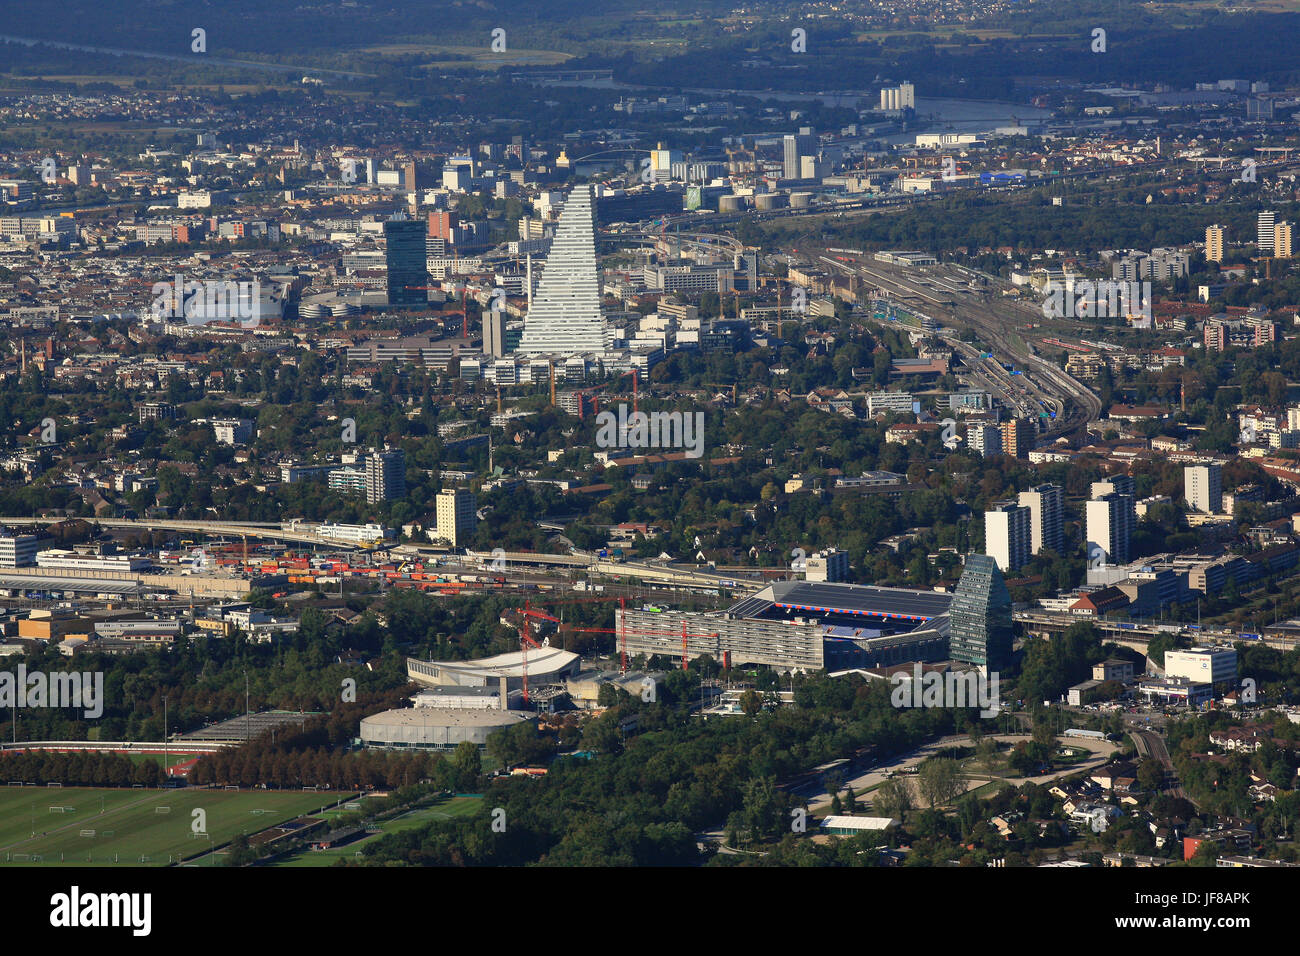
230 529
592 564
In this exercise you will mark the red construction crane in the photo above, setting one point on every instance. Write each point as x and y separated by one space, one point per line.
621 631
524 640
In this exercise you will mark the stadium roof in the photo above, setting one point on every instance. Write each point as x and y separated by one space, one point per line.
900 604
543 660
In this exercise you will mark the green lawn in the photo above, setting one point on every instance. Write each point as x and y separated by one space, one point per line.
445 809
131 825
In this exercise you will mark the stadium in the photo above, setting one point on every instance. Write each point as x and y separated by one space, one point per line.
800 625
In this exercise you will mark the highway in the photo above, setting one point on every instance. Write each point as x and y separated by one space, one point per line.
657 573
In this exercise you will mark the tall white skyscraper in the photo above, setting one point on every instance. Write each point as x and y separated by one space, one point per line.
1266 231
565 316
1046 504
1110 520
1203 487
1007 536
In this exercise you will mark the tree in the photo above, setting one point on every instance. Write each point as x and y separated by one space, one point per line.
893 798
940 781
751 702
467 763
1150 775
762 809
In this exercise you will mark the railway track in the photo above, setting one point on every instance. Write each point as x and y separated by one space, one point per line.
1043 387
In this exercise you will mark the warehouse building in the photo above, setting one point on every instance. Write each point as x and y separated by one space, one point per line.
434 728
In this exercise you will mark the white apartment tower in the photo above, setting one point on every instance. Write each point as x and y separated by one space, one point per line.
1266 230
565 316
1203 487
1109 528
1007 536
1046 504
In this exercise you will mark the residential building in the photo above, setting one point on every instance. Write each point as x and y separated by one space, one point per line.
1203 487
385 475
234 431
1282 240
1046 504
827 565
1109 521
1007 536
1018 437
1266 230
1214 243
457 514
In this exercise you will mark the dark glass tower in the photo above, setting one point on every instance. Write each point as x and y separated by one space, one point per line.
408 271
981 615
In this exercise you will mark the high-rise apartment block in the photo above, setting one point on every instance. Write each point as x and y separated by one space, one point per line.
385 475
1007 536
1214 243
1266 230
1109 521
1203 487
1018 437
457 513
1046 504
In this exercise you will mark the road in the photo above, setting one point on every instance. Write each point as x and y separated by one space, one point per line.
1101 750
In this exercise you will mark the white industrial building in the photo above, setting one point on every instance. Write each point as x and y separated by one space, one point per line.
1202 665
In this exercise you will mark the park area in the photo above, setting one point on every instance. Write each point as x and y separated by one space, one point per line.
80 826
446 808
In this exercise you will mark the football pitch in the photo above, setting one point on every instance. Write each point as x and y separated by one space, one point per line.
79 826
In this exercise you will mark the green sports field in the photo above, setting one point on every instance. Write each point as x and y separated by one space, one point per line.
445 809
135 827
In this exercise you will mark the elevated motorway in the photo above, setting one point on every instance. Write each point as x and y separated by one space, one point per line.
232 529
593 564
1138 635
